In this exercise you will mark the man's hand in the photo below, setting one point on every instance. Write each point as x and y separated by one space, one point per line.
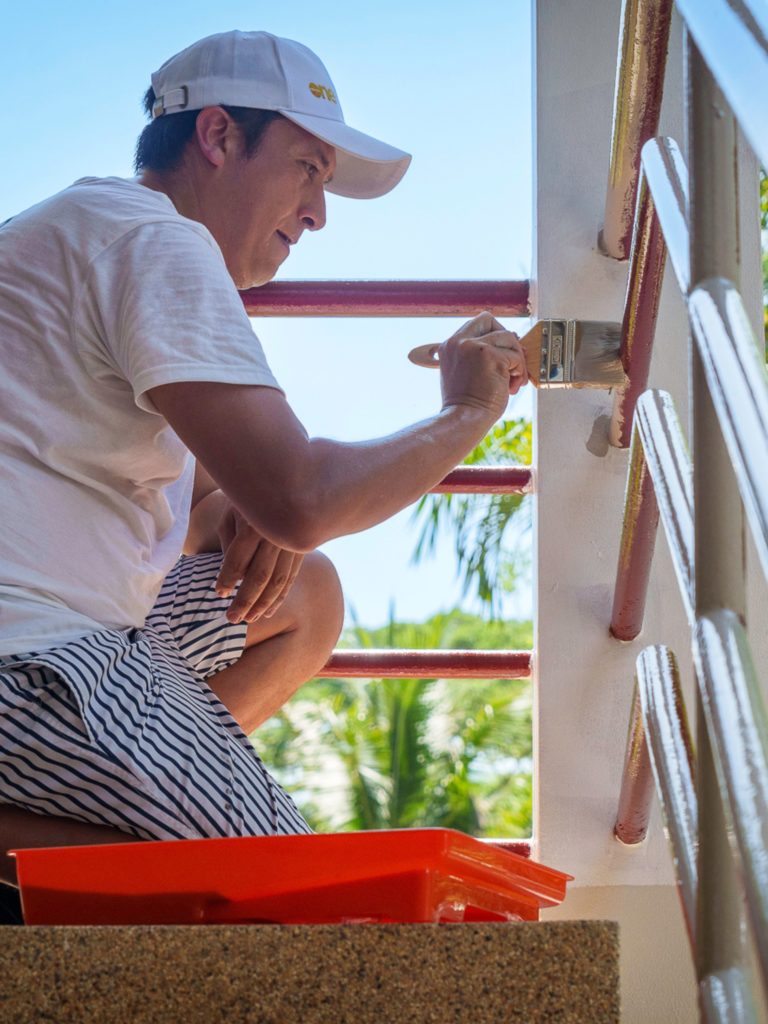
481 365
267 571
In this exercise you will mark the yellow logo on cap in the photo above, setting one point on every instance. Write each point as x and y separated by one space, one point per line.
322 92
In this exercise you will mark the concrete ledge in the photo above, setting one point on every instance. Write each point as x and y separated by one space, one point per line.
565 971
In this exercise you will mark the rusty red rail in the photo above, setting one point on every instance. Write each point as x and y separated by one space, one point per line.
638 539
418 664
658 486
486 480
643 43
388 298
637 782
659 747
522 847
641 307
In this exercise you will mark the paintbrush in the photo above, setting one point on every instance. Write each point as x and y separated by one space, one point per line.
561 354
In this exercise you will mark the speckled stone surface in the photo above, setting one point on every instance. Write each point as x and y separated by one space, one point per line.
564 971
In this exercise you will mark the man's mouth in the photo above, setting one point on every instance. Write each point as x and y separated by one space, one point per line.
288 241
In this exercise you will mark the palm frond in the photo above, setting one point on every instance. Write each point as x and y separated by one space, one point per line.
480 524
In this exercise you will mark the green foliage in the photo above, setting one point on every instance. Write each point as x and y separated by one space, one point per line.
402 753
480 524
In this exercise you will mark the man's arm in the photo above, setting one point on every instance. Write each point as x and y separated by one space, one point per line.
208 506
300 492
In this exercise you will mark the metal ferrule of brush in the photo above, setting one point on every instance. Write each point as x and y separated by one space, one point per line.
558 351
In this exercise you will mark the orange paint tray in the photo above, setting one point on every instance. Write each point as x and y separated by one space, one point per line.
399 875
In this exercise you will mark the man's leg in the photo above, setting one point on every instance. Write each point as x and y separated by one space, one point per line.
21 829
281 653
285 651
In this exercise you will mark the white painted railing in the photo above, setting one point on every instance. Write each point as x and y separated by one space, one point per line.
671 755
727 65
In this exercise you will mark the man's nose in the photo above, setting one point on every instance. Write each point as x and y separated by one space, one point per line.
313 214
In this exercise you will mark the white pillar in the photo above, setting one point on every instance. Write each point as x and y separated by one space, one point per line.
583 678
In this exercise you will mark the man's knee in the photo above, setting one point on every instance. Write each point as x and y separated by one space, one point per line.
320 594
314 605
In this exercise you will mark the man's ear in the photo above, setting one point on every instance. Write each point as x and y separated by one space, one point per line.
216 134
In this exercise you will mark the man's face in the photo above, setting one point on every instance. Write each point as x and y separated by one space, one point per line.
264 203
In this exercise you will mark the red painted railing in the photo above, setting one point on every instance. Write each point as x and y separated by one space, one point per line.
641 307
659 481
486 480
643 43
660 226
637 782
413 299
638 540
388 298
421 664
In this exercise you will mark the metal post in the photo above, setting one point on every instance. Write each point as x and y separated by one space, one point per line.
719 533
643 42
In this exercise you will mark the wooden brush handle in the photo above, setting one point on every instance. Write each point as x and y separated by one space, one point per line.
426 355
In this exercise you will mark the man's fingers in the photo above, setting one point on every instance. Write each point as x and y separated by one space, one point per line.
506 343
227 529
501 339
281 577
237 558
293 573
479 325
260 577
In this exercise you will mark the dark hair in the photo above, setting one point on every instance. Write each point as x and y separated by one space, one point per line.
162 143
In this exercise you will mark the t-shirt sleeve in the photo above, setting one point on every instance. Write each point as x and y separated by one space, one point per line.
160 307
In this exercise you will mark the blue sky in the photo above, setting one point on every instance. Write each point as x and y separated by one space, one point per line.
452 90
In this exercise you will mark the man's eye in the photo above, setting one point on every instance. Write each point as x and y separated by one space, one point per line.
311 169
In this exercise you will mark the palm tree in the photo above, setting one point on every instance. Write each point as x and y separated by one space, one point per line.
483 525
399 753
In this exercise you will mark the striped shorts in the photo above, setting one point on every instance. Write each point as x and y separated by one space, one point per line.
120 728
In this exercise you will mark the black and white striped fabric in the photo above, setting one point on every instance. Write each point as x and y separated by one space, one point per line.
120 728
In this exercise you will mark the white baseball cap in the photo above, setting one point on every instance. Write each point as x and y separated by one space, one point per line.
259 70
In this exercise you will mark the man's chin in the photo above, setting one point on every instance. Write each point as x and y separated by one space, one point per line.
255 279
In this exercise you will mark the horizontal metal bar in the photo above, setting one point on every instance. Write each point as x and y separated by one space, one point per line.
671 755
667 178
637 787
732 36
388 298
738 728
643 42
426 664
659 485
641 307
486 480
738 383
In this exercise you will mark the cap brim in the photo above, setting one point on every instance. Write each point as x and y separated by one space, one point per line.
365 167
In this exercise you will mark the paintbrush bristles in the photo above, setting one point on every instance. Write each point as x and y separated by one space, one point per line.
574 354
596 361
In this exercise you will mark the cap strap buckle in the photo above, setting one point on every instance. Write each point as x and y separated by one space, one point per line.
176 98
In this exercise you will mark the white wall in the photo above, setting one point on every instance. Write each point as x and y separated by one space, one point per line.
584 678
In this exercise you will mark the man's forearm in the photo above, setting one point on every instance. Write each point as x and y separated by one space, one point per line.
300 492
352 487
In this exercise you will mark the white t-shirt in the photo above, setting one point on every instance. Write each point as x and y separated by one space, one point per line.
105 292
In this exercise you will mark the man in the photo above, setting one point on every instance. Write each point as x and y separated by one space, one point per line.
141 423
